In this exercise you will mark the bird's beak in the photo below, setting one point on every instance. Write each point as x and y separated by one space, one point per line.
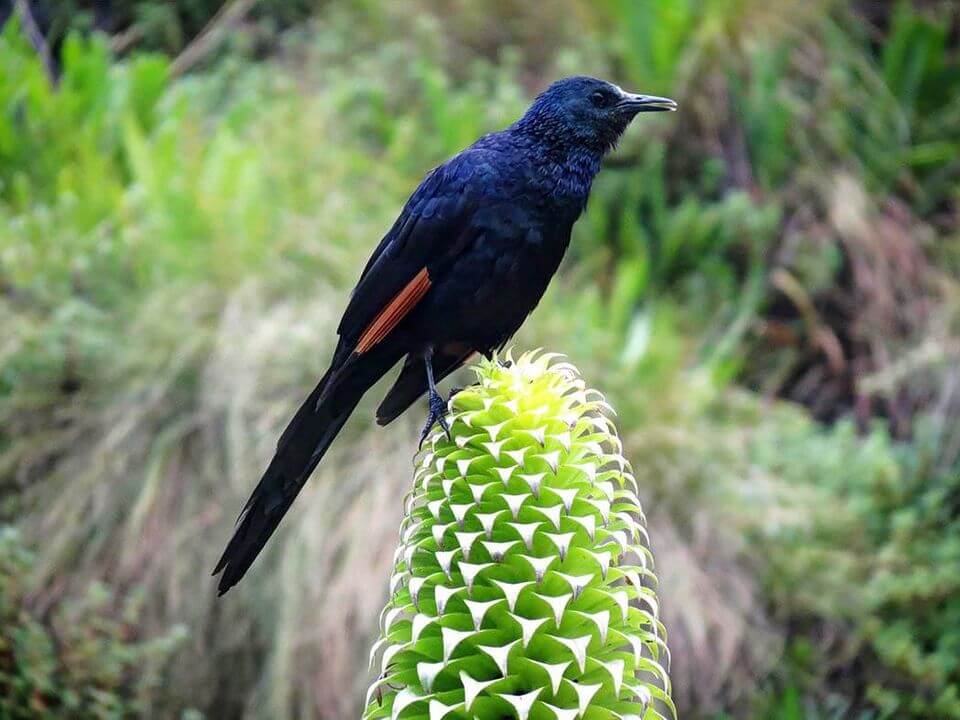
633 103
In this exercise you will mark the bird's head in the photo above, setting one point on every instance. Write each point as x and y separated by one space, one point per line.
587 111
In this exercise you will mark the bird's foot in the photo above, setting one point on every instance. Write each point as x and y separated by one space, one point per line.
438 410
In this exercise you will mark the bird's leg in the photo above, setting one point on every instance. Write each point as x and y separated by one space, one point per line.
438 406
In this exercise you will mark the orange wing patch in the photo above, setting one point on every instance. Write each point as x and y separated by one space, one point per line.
394 312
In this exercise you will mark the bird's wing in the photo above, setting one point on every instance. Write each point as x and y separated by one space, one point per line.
434 228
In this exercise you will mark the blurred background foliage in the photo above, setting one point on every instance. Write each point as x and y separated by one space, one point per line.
767 285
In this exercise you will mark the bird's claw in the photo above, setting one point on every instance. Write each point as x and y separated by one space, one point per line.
438 411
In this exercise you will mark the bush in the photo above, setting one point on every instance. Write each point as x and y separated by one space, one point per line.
81 659
877 557
173 256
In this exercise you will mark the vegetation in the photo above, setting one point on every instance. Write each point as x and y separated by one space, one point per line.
765 284
523 574
78 661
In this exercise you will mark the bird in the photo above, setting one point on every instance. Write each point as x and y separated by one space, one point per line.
465 263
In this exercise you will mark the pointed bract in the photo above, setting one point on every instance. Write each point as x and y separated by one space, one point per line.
452 639
499 655
472 688
478 610
585 694
511 591
427 673
563 713
528 627
568 589
554 672
438 710
522 704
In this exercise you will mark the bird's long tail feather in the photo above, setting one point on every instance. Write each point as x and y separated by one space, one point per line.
300 449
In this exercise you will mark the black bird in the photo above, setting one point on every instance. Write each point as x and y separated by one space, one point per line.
467 260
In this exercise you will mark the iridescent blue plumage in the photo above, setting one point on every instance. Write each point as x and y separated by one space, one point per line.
467 260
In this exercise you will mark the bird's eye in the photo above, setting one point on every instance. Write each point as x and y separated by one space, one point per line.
600 99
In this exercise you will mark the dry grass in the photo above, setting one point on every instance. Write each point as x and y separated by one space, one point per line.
135 475
141 494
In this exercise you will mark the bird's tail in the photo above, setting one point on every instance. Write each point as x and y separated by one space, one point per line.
300 448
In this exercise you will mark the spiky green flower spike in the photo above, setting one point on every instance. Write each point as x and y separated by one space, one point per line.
523 583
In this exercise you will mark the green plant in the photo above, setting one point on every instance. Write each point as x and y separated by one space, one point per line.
82 660
878 553
173 254
523 581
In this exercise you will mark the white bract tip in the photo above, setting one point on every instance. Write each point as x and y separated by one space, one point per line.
554 672
585 694
526 532
488 520
505 473
539 434
438 710
567 495
494 430
389 654
470 571
445 560
447 485
439 530
539 565
373 651
460 511
451 640
528 627
552 459
427 672
557 603
561 541
551 513
478 490
442 595
420 622
588 522
472 688
434 507
577 583
533 481
601 619
615 668
478 610
511 591
514 502
577 647
499 655
494 448
415 586
391 617
463 465
522 704
562 713
403 700
498 550
517 455
466 540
